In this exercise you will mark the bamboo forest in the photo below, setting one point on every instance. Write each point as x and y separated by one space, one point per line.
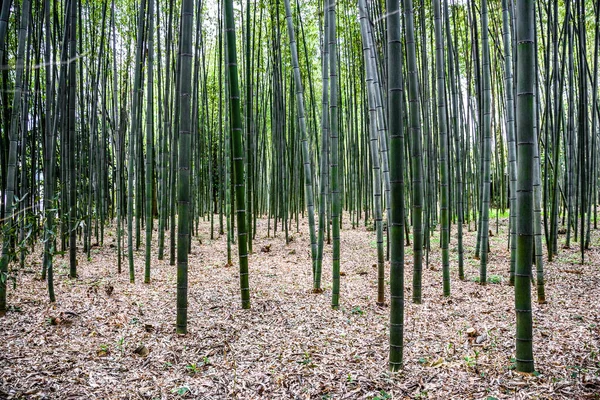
299 199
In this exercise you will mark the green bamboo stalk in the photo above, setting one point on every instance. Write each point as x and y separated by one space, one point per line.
510 133
119 135
166 134
49 197
594 154
455 79
582 122
335 166
486 145
238 158
48 164
149 141
324 168
133 139
558 111
373 144
537 221
12 154
570 156
427 150
416 149
249 126
306 159
382 127
396 228
174 144
444 151
71 148
183 181
526 138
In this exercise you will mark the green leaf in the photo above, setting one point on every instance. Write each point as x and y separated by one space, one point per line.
357 311
181 390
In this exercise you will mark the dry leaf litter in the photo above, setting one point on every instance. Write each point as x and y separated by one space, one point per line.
105 338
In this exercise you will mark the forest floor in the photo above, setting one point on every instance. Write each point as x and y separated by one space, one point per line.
105 338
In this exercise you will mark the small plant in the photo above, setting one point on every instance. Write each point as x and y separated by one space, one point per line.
120 344
167 365
103 350
181 391
576 370
513 363
495 279
357 311
470 361
13 308
383 395
349 378
306 360
192 368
